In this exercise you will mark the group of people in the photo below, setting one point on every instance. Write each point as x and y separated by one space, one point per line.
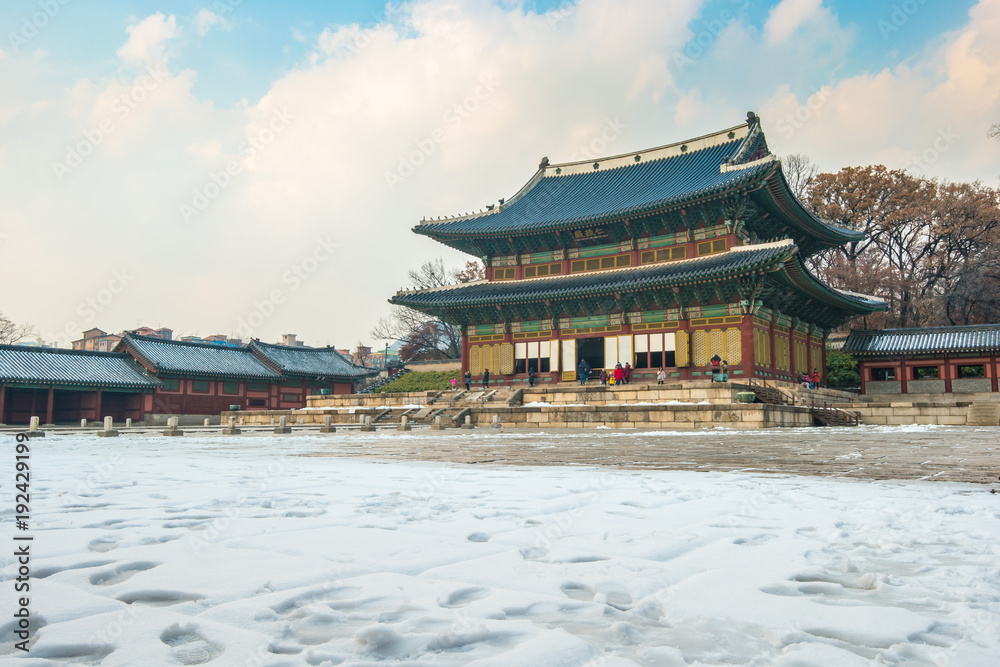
617 376
811 381
720 369
623 375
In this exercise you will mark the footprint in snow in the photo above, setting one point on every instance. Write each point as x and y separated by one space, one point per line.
462 597
189 647
478 537
755 540
578 591
119 573
102 544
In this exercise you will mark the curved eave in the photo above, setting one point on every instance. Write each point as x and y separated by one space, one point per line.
752 178
799 278
777 198
9 381
615 281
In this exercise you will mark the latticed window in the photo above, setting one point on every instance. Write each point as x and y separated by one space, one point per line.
199 386
600 263
711 247
662 255
540 270
505 274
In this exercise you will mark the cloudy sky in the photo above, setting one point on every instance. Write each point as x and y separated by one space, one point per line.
254 168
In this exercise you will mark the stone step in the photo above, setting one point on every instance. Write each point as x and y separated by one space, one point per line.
984 414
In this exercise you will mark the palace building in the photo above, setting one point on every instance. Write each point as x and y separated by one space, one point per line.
661 258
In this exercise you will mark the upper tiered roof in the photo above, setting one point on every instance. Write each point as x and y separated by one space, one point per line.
628 188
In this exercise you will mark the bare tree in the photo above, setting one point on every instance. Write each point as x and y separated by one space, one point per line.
994 131
425 337
11 333
800 171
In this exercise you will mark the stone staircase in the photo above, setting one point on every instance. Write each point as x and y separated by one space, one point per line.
822 414
984 414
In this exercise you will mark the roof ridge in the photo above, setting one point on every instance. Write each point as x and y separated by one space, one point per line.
919 330
62 350
742 132
188 343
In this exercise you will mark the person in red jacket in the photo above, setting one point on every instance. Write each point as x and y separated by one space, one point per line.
619 374
816 379
627 373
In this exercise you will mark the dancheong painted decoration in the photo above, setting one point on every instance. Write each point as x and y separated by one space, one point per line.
660 259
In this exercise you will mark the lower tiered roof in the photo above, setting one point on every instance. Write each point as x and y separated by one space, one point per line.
311 362
771 273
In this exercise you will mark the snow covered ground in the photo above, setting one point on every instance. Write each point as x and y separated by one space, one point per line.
238 551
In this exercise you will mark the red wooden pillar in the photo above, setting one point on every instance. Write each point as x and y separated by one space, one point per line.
993 374
97 406
903 389
863 372
746 343
465 352
685 325
3 402
947 374
184 393
50 404
774 349
822 353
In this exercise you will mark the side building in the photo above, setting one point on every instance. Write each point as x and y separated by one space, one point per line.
932 360
661 258
65 386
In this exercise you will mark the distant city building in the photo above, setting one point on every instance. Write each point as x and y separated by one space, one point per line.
290 341
96 340
164 333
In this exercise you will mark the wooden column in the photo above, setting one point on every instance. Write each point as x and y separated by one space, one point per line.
184 393
863 372
748 361
947 374
50 404
902 376
97 407
3 402
993 375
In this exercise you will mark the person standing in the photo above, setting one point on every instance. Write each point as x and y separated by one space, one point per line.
604 377
583 370
724 369
816 379
661 375
619 374
627 373
468 380
531 376
486 379
454 384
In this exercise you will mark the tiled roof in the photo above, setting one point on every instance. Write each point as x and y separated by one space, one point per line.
574 194
738 260
984 338
201 359
307 361
72 368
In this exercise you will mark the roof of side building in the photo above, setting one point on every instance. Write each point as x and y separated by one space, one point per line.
303 361
976 338
77 368
197 359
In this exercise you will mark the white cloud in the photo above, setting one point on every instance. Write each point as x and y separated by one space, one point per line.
207 19
474 92
788 16
147 38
